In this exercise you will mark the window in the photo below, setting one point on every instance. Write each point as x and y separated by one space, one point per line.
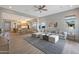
70 20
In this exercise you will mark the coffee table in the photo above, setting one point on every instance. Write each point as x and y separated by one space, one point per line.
53 38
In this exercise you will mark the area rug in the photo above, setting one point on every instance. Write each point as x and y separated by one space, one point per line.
47 47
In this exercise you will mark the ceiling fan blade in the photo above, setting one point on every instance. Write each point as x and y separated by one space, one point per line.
43 6
40 8
44 9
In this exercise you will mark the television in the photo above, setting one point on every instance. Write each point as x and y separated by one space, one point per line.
43 26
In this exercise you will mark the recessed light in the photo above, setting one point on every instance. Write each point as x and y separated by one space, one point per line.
10 6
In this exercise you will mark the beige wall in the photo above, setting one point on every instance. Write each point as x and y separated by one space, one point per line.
59 17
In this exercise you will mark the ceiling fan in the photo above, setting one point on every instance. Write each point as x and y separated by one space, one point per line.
40 8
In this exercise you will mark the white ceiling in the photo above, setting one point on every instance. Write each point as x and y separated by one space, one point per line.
30 9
